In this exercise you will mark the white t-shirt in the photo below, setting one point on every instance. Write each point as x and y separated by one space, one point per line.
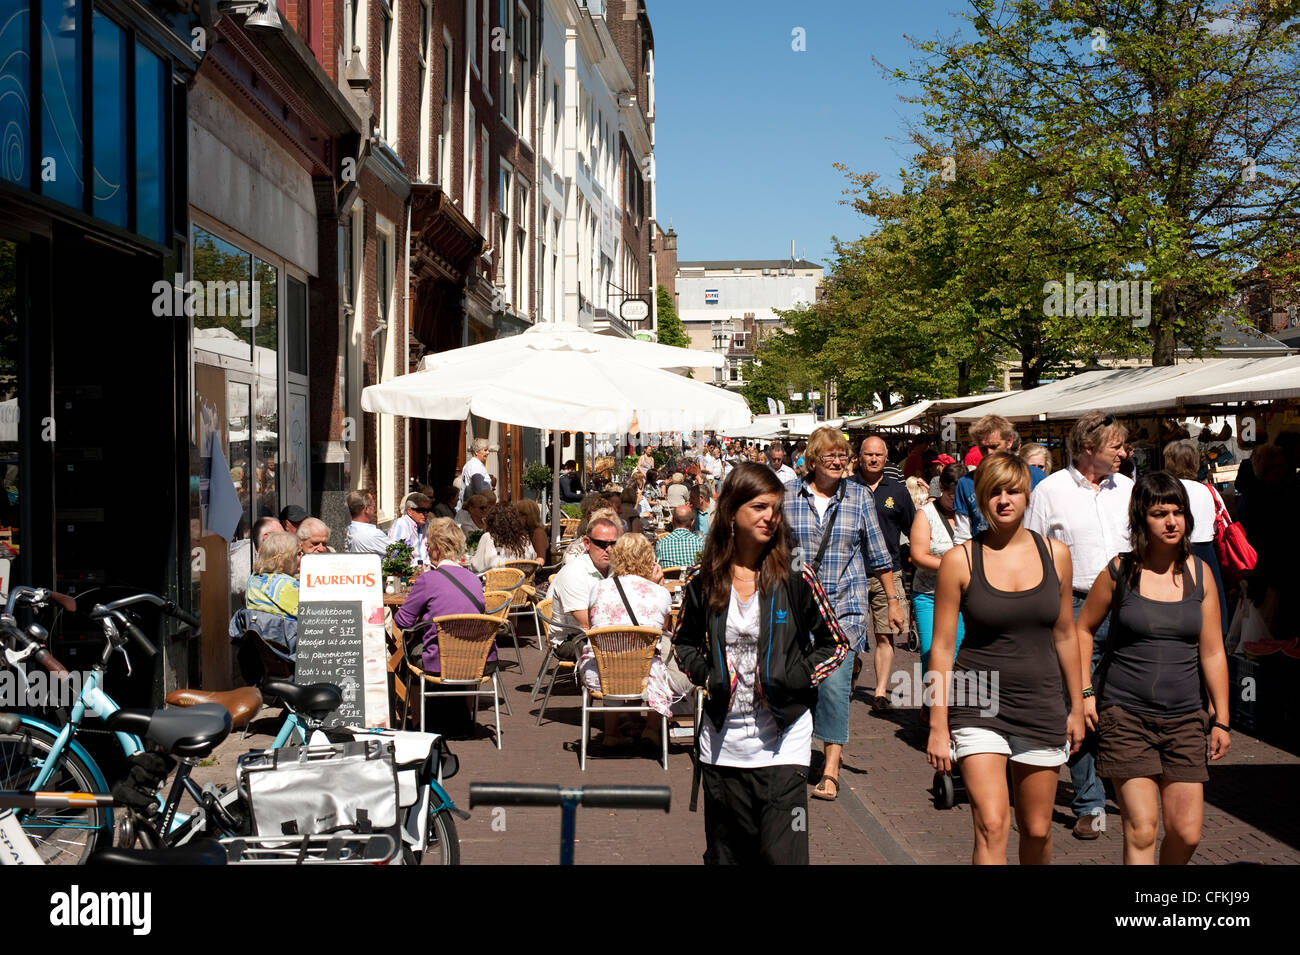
571 590
473 467
750 736
940 543
822 504
1199 497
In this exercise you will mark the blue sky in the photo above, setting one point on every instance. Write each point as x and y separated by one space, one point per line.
746 129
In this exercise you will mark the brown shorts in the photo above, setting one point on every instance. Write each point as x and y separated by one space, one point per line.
878 606
1171 747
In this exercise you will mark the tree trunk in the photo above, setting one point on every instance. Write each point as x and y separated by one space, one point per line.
1162 334
963 379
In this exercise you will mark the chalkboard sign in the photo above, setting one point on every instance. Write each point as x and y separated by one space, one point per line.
330 642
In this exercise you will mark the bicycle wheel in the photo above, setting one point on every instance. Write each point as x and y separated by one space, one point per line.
444 845
60 836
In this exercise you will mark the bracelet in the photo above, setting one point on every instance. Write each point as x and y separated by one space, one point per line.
1224 728
1088 691
891 597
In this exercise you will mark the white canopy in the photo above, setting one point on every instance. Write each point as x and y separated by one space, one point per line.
901 416
1137 390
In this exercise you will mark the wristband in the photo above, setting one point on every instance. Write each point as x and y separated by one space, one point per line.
1088 691
891 597
1224 728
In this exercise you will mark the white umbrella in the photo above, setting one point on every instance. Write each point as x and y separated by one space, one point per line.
563 377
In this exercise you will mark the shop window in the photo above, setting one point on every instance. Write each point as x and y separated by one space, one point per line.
108 73
63 28
150 146
224 274
295 326
16 78
10 368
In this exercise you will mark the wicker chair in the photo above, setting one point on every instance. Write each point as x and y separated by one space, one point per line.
549 623
623 658
496 603
674 573
525 597
510 581
464 641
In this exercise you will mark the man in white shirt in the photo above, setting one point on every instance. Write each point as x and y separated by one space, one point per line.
571 587
713 466
410 527
1085 506
363 536
474 477
776 460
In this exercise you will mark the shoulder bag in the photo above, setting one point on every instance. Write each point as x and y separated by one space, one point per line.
1236 555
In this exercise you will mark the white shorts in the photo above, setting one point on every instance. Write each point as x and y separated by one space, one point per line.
970 740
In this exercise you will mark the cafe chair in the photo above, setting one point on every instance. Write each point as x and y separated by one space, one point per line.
568 666
623 658
510 581
674 573
464 641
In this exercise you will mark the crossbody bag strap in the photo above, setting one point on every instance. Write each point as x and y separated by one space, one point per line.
1121 579
826 533
947 524
619 584
461 587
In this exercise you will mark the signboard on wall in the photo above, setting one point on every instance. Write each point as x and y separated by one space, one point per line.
341 633
711 297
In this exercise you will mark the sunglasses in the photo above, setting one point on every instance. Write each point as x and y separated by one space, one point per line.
422 510
603 545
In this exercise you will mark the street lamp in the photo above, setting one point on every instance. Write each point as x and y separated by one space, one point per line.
260 14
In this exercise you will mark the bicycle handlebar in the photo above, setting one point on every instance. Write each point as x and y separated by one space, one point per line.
601 797
22 640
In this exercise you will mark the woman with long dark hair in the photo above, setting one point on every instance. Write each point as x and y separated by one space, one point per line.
505 538
759 635
1165 642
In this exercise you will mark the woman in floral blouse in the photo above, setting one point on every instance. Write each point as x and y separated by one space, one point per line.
632 564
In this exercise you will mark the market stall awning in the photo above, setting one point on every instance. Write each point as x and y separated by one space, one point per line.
896 417
1133 390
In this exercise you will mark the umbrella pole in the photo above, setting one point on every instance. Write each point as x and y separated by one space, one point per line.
555 492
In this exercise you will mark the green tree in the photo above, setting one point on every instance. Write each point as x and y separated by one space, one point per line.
1167 128
671 329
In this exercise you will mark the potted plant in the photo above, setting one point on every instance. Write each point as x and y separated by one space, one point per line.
397 561
538 477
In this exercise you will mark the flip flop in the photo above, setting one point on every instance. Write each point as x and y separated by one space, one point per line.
819 791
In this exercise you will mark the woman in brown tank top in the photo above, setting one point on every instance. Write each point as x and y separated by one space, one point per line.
1012 589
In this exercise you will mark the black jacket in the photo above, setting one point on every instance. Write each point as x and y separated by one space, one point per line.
570 489
800 644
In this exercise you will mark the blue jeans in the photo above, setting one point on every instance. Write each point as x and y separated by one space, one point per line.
1089 796
923 607
831 717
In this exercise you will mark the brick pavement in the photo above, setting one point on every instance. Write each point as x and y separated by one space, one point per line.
884 813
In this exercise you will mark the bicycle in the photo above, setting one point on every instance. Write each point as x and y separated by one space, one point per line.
39 755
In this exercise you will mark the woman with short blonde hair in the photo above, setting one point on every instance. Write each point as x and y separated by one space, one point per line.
445 538
273 587
632 554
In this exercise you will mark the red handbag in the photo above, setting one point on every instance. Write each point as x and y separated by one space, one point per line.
1236 556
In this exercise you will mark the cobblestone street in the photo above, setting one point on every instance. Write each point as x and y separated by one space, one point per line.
884 813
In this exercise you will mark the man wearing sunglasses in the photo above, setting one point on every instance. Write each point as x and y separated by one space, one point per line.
571 587
409 528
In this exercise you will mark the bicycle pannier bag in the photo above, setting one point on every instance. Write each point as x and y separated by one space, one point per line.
315 789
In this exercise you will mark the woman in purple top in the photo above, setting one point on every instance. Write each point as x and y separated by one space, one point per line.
445 589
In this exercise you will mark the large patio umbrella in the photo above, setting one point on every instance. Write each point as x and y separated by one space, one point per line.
556 376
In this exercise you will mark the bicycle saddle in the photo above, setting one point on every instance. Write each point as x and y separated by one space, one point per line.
314 698
198 852
243 703
196 731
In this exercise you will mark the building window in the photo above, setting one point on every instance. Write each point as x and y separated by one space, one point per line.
422 85
387 72
108 75
506 24
470 166
448 90
483 225
471 38
502 238
521 248
151 78
523 49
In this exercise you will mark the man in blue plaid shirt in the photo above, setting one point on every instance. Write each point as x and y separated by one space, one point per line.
855 550
682 547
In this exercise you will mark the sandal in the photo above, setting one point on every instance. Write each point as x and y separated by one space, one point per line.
819 791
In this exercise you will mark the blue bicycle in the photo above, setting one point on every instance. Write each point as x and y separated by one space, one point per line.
40 755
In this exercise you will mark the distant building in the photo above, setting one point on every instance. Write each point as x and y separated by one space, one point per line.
731 306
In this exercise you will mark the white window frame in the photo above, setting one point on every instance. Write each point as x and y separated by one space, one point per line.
523 84
520 237
448 106
506 72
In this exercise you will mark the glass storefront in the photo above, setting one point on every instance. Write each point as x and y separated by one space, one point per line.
10 369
